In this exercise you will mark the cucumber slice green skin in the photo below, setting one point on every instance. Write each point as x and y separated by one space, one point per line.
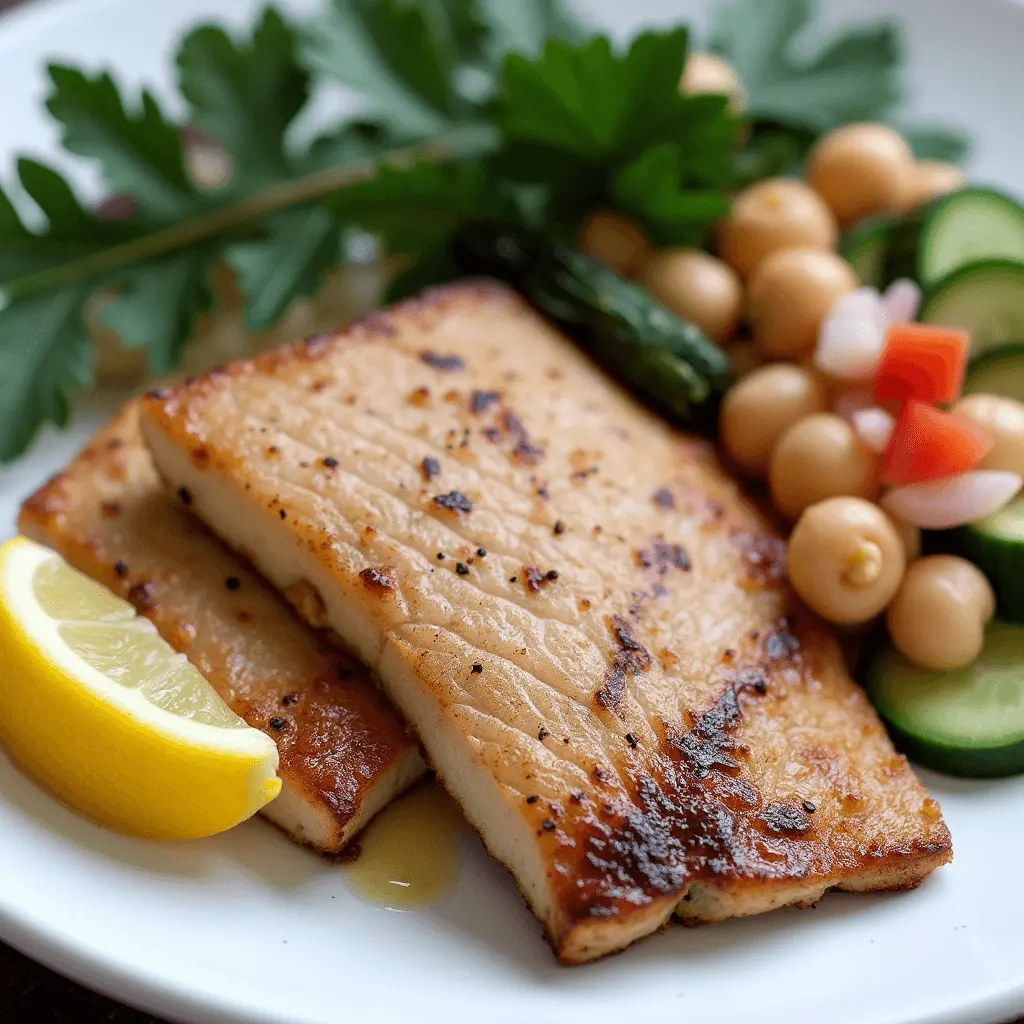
964 764
985 298
968 722
996 547
937 238
968 226
999 371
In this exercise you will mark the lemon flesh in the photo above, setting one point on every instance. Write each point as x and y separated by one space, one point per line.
96 706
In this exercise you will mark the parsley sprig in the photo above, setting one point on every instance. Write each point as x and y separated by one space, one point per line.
468 109
796 92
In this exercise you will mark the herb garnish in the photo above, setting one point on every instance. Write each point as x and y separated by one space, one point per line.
793 97
470 109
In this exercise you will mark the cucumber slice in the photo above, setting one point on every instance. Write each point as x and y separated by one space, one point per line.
984 298
1000 371
965 227
969 722
866 249
996 546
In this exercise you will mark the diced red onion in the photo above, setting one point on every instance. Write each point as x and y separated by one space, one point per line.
849 346
874 427
901 301
861 304
955 501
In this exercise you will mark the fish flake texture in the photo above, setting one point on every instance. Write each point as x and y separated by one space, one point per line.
630 708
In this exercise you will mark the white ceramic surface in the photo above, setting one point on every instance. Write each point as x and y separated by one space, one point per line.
247 928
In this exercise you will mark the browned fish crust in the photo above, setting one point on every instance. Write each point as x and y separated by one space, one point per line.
631 709
343 752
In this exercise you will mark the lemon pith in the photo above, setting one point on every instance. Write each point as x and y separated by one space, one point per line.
97 707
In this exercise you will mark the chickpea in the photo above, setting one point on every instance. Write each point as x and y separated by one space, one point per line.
759 409
778 213
846 559
817 458
789 296
938 617
861 169
1003 418
928 180
615 241
698 287
708 73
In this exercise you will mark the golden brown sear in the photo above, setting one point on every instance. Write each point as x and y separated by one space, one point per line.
586 622
344 753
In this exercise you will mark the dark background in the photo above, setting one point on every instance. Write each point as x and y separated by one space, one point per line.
31 994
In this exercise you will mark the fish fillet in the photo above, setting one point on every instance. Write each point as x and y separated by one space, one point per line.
344 754
584 620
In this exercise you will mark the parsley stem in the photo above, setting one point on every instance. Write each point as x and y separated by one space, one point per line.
279 196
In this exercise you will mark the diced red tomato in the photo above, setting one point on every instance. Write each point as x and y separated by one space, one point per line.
922 362
929 444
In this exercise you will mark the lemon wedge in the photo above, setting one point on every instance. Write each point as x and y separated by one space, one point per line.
95 705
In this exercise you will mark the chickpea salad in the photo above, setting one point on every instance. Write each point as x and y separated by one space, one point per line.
824 292
871 309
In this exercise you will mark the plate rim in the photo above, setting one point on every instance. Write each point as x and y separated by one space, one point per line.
134 986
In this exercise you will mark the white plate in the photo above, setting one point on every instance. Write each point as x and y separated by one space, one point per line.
247 928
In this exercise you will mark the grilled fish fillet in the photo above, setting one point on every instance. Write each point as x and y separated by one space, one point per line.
583 619
343 752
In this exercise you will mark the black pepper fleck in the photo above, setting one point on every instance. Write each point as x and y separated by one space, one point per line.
454 501
512 579
532 799
330 462
232 583
430 468
121 569
559 527
543 735
551 574
810 807
446 364
632 740
481 552
481 401
282 513
477 668
461 568
663 498
289 699
277 723
440 556
548 825
185 495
